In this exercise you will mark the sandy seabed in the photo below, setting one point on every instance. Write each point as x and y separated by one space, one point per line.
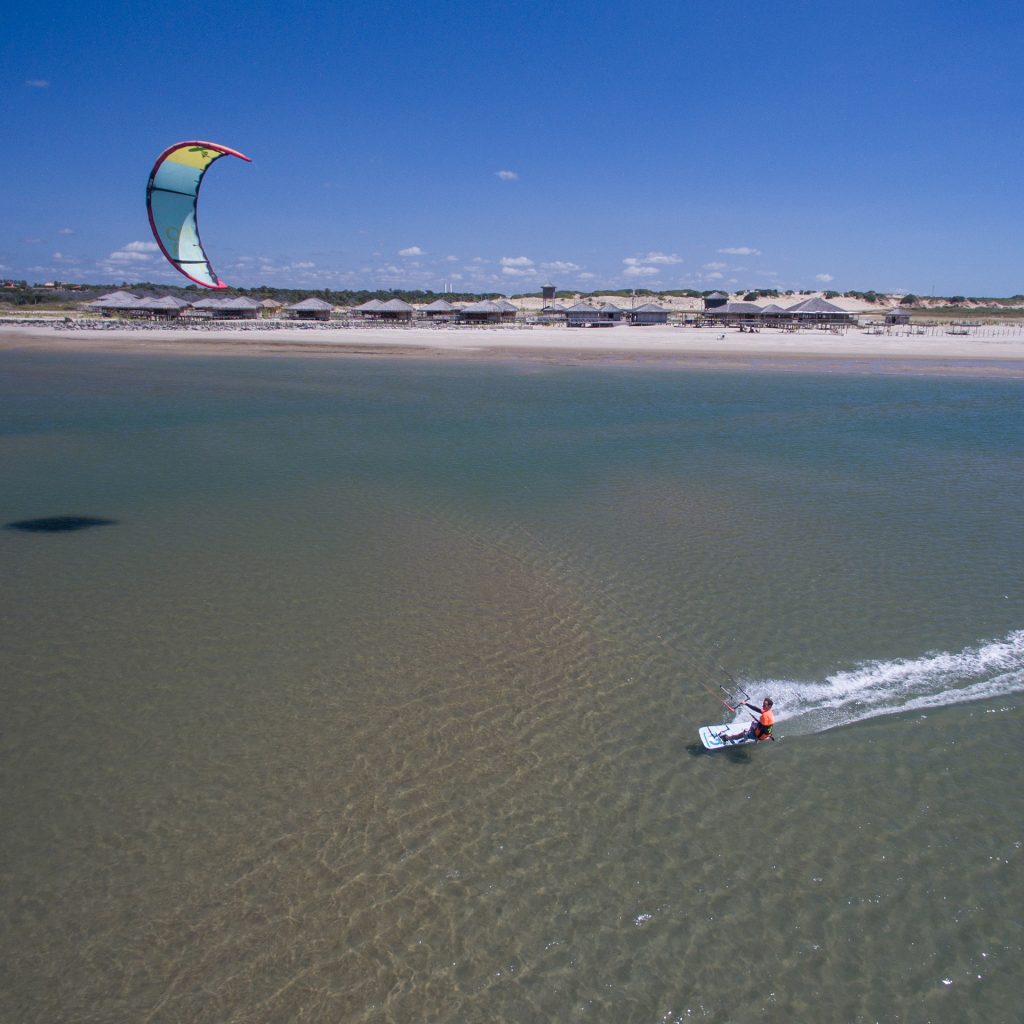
986 352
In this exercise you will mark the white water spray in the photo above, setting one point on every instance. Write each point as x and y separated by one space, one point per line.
992 668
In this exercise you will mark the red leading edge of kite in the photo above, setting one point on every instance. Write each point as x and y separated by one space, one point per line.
225 151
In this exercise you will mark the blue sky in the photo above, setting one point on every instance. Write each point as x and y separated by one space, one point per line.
496 146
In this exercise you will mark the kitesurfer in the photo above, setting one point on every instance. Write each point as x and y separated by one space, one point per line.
760 728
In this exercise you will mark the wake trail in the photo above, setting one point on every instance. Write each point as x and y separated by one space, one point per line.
991 668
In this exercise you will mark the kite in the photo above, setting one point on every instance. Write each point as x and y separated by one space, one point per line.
171 198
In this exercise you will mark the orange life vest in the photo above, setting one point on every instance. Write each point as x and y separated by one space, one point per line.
763 727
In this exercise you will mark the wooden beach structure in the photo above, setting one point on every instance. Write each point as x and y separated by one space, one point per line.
310 309
815 311
367 310
163 307
440 310
114 302
647 314
240 307
582 314
488 312
609 311
395 311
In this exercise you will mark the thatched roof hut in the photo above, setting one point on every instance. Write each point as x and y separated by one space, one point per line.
161 306
582 314
486 311
310 309
395 309
113 301
240 307
647 314
439 309
819 310
609 311
897 315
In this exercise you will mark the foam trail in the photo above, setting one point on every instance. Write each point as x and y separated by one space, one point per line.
991 669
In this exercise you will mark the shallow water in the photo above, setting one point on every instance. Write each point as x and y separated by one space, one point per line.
378 699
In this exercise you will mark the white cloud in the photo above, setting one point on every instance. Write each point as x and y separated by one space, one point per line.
507 175
586 276
824 278
66 231
715 265
413 250
560 266
38 83
714 276
649 265
516 261
124 256
660 257
740 250
141 247
518 272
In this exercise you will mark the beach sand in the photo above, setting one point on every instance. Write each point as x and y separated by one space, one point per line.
997 351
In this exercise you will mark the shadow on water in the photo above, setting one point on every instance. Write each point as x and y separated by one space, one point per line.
58 524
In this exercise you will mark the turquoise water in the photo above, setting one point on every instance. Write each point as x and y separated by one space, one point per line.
378 700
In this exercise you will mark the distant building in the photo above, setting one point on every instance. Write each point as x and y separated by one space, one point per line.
164 307
368 308
582 314
240 308
715 299
609 311
488 312
815 310
647 314
897 316
113 302
820 311
395 310
310 309
547 293
439 310
735 313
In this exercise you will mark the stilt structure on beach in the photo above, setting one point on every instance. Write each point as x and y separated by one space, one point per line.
310 309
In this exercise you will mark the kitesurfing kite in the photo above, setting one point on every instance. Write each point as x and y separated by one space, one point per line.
171 198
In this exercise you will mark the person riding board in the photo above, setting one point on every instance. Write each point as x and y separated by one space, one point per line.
760 727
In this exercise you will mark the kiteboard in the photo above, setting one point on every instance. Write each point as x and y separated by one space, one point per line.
709 737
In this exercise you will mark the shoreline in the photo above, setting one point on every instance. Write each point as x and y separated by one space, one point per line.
999 354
